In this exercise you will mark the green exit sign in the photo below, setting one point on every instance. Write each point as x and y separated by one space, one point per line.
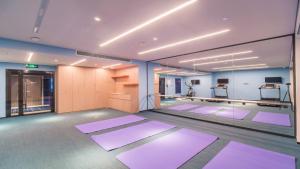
32 66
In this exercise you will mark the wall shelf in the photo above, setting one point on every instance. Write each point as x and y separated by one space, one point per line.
120 76
130 84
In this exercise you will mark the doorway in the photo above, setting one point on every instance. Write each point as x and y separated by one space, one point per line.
162 87
29 92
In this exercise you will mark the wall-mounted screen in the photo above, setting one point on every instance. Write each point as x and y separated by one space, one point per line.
223 81
273 80
195 82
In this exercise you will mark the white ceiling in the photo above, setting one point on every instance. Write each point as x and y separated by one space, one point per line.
42 58
70 24
273 53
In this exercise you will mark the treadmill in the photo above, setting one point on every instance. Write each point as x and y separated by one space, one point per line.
271 83
221 85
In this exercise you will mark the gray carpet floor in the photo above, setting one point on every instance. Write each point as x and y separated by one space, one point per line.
50 141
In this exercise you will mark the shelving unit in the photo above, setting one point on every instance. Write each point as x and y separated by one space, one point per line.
120 76
130 84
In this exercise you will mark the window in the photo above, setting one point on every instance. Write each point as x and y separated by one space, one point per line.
177 85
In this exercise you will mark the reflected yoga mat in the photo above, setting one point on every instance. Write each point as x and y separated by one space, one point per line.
182 107
122 137
207 109
273 118
106 124
167 152
233 113
241 156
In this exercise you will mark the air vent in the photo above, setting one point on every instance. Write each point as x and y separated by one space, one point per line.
101 56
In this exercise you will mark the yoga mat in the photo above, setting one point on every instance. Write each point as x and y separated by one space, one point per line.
273 118
106 124
182 107
168 152
241 156
233 113
207 110
122 137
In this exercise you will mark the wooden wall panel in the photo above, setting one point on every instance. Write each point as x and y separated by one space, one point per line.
64 89
89 88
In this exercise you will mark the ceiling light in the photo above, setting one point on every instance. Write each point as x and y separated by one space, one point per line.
35 39
225 19
36 29
167 71
30 54
77 62
184 41
157 69
97 19
246 68
217 56
155 38
148 22
224 61
111 66
241 66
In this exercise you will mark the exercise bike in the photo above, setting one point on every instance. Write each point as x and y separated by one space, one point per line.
191 92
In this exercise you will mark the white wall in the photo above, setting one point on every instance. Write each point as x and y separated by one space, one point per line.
202 90
297 71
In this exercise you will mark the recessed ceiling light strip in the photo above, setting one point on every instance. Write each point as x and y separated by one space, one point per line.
184 41
30 54
167 71
241 66
111 66
217 56
155 19
224 61
78 62
246 68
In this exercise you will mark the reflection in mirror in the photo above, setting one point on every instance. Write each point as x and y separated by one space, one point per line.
247 86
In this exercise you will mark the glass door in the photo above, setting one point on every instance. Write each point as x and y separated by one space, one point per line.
29 92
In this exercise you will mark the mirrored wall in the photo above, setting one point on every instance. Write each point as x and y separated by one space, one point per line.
245 85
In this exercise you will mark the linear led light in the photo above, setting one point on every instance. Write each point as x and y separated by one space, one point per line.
30 54
217 56
185 41
148 22
241 66
223 61
157 69
167 71
246 68
77 62
111 66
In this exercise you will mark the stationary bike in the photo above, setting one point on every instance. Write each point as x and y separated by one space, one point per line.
191 92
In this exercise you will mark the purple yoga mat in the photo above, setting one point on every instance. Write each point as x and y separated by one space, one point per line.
241 156
273 118
233 113
106 124
167 152
122 137
207 109
182 107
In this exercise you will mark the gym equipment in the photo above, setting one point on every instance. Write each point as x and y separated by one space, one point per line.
273 118
287 93
191 92
106 124
169 151
182 107
125 136
222 84
237 155
271 83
